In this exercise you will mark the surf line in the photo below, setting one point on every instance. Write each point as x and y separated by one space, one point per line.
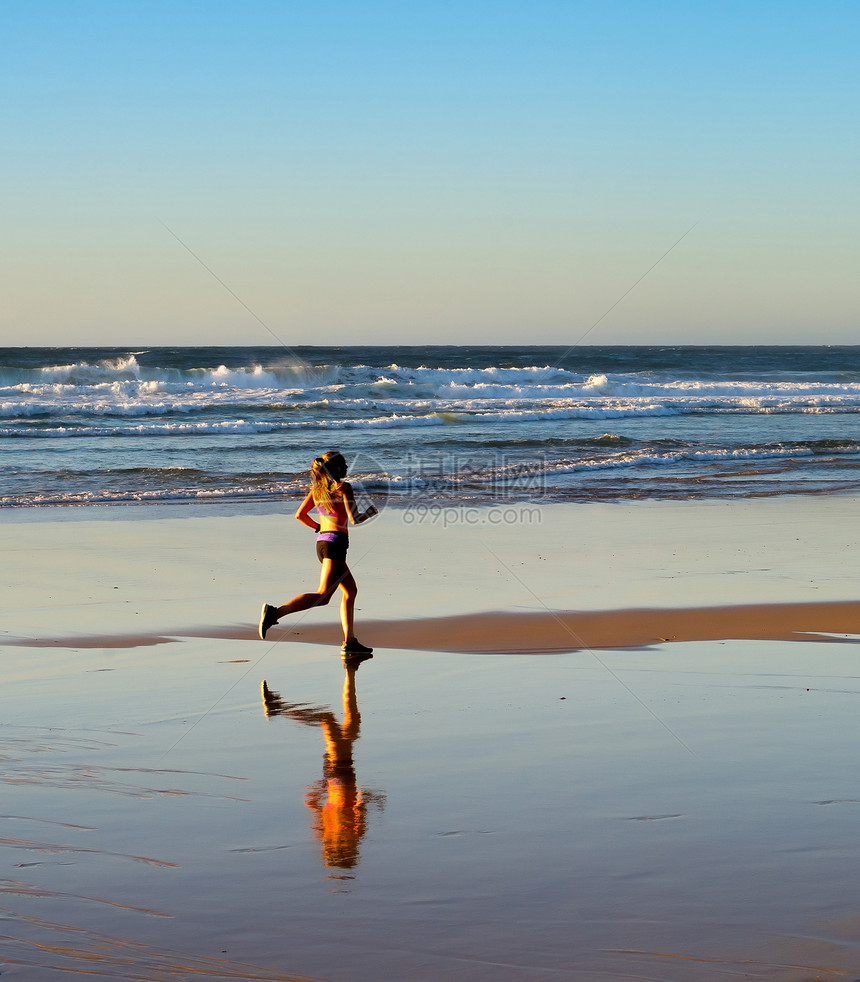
305 365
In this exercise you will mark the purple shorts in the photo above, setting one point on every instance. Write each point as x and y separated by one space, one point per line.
332 545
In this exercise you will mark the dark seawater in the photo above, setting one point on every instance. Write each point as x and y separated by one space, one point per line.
431 424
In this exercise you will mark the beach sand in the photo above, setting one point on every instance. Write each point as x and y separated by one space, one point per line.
595 742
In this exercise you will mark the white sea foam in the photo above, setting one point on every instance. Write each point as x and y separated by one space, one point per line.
236 426
649 459
119 385
210 407
100 396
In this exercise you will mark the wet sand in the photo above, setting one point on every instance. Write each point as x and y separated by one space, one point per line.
667 792
533 633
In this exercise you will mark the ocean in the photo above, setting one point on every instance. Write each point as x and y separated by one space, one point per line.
428 425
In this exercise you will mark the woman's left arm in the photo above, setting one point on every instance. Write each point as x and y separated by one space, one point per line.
355 516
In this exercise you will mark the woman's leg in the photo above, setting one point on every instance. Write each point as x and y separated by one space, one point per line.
330 576
349 589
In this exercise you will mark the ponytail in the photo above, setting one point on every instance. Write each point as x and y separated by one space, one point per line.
327 472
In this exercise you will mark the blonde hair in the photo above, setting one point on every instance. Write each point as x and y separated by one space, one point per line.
327 472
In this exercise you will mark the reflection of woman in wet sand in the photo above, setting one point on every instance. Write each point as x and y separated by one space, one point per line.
334 500
339 806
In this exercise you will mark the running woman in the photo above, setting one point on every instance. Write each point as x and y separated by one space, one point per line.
334 500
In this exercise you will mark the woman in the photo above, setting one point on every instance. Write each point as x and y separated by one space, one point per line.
334 501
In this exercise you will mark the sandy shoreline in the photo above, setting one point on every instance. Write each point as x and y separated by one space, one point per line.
679 809
553 579
539 632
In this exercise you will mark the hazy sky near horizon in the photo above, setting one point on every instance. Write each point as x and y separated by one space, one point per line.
479 172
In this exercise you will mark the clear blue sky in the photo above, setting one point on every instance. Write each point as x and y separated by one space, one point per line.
475 172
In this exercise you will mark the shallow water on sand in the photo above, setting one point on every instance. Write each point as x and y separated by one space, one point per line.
683 813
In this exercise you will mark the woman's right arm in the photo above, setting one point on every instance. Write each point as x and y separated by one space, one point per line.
303 514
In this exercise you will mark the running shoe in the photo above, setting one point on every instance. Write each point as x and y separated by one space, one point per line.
268 617
355 647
